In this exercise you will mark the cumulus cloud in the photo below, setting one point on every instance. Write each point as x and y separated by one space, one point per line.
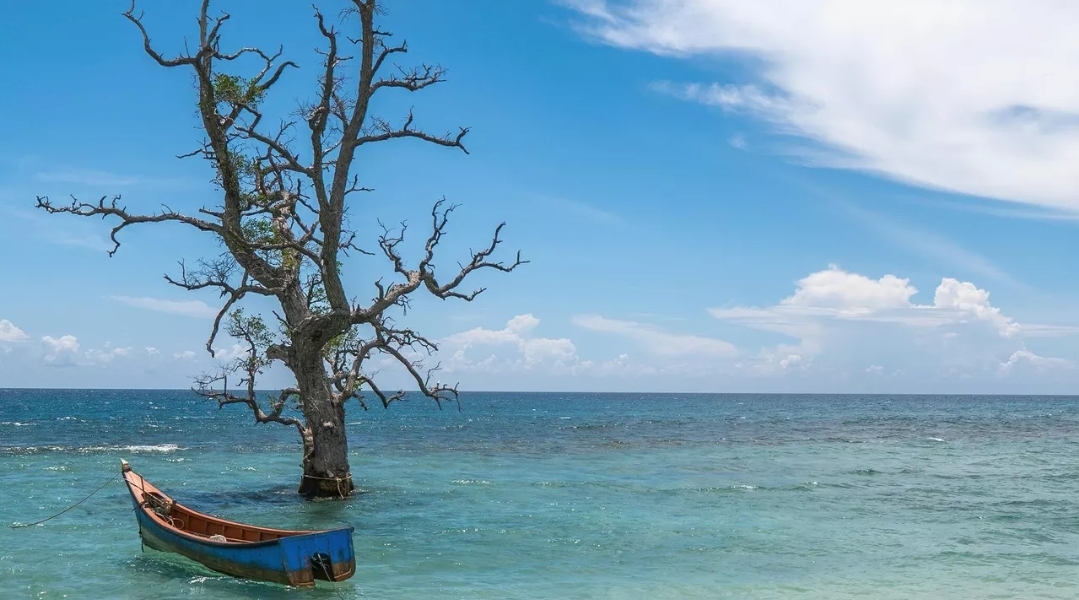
187 308
60 352
185 355
10 333
838 294
1024 357
965 298
851 293
66 351
969 96
836 312
478 348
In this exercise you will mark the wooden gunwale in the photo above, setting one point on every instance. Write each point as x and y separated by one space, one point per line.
198 526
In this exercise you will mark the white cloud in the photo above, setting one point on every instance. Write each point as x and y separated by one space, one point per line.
838 294
187 308
151 351
458 351
60 352
10 333
972 96
849 292
522 324
1039 363
967 298
790 361
657 341
185 355
834 312
65 351
227 354
107 354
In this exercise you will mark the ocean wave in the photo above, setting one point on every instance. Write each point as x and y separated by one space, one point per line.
15 424
155 448
134 449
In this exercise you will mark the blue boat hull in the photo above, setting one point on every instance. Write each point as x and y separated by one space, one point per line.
294 558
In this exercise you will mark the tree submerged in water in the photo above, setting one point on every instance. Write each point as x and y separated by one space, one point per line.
281 222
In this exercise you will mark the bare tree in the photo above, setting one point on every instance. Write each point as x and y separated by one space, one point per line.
281 222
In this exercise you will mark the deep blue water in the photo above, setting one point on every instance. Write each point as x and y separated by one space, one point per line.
570 495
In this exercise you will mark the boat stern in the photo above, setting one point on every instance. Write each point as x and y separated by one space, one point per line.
325 555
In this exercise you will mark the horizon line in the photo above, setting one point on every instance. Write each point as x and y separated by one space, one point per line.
584 392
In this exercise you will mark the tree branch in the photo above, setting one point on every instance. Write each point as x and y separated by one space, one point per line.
381 131
205 388
111 209
255 337
161 60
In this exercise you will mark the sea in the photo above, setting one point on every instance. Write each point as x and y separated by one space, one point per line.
557 495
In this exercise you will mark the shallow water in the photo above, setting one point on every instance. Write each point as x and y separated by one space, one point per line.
570 496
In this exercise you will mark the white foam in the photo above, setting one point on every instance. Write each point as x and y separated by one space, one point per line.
159 448
166 448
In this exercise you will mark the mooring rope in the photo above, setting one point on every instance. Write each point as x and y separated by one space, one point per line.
329 579
111 479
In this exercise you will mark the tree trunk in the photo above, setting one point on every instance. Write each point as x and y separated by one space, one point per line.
326 472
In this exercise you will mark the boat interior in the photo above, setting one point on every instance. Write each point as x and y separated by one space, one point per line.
192 522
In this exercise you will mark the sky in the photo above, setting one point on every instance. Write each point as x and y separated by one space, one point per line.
819 196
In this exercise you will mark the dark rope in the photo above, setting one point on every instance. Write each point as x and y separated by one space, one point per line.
329 578
18 525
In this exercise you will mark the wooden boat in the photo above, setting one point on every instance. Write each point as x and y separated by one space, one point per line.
294 558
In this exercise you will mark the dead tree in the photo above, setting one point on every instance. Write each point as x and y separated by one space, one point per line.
281 223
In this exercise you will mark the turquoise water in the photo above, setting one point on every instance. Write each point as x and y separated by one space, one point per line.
570 496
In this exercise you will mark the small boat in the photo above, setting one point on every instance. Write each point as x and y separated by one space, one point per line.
295 558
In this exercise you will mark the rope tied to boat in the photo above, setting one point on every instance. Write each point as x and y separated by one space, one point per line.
329 578
162 507
20 525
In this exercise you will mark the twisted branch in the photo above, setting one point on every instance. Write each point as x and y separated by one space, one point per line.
112 209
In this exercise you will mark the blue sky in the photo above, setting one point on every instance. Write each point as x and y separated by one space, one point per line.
715 196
